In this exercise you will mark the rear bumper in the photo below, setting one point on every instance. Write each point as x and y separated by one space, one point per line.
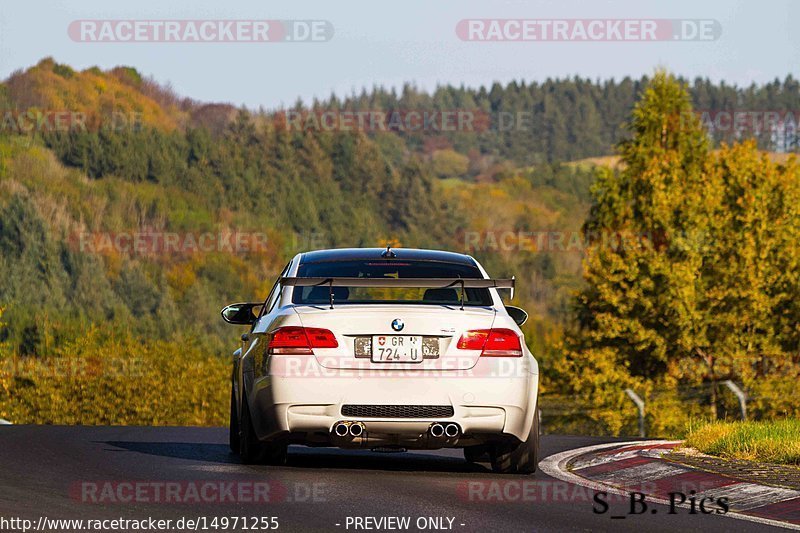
485 407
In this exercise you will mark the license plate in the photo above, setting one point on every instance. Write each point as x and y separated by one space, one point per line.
396 349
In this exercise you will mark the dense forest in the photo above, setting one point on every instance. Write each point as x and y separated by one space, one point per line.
129 156
569 119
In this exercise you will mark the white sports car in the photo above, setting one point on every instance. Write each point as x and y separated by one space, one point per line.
386 350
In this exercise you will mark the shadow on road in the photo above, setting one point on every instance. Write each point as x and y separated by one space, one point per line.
195 451
332 458
316 458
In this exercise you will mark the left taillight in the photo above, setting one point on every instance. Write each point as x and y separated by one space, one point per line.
296 340
495 342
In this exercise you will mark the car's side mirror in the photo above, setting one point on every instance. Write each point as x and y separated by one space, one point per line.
517 314
243 314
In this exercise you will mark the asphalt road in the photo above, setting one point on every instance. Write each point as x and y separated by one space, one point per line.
80 473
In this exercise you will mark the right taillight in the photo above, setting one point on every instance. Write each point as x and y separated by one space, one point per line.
295 340
495 342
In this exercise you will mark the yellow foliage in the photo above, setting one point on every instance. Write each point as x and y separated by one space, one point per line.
94 380
89 92
181 276
394 242
5 375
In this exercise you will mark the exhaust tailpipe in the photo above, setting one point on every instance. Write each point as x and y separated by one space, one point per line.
437 430
452 430
356 429
341 429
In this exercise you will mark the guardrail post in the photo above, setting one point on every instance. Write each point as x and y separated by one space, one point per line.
739 394
539 416
639 405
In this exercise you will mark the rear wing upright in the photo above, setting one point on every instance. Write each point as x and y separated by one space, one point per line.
422 283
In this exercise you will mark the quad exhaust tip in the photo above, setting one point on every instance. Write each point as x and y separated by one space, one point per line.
343 429
357 429
452 430
439 430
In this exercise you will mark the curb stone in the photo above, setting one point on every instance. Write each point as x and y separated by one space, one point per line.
621 468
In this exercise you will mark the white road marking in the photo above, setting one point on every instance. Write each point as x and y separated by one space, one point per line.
219 469
638 473
744 496
556 466
594 460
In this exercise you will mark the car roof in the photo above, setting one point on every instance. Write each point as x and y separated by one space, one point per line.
357 254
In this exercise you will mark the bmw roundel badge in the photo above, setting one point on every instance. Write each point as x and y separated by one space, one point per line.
397 324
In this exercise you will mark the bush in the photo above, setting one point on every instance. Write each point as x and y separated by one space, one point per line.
98 381
449 163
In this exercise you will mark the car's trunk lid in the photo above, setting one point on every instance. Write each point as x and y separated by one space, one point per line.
360 327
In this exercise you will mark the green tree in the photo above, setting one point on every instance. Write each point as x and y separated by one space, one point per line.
692 267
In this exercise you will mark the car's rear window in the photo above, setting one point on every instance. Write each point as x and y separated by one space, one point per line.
389 269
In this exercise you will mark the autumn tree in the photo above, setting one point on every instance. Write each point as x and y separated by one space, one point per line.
691 265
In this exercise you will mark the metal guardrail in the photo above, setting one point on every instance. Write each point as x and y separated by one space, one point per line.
566 407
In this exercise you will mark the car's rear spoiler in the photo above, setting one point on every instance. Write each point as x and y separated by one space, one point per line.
423 283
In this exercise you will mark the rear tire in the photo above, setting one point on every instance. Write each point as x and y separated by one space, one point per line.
276 453
521 458
251 451
233 425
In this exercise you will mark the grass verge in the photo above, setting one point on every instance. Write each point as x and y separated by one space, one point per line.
775 441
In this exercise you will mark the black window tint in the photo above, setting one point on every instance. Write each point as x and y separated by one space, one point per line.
389 269
274 294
